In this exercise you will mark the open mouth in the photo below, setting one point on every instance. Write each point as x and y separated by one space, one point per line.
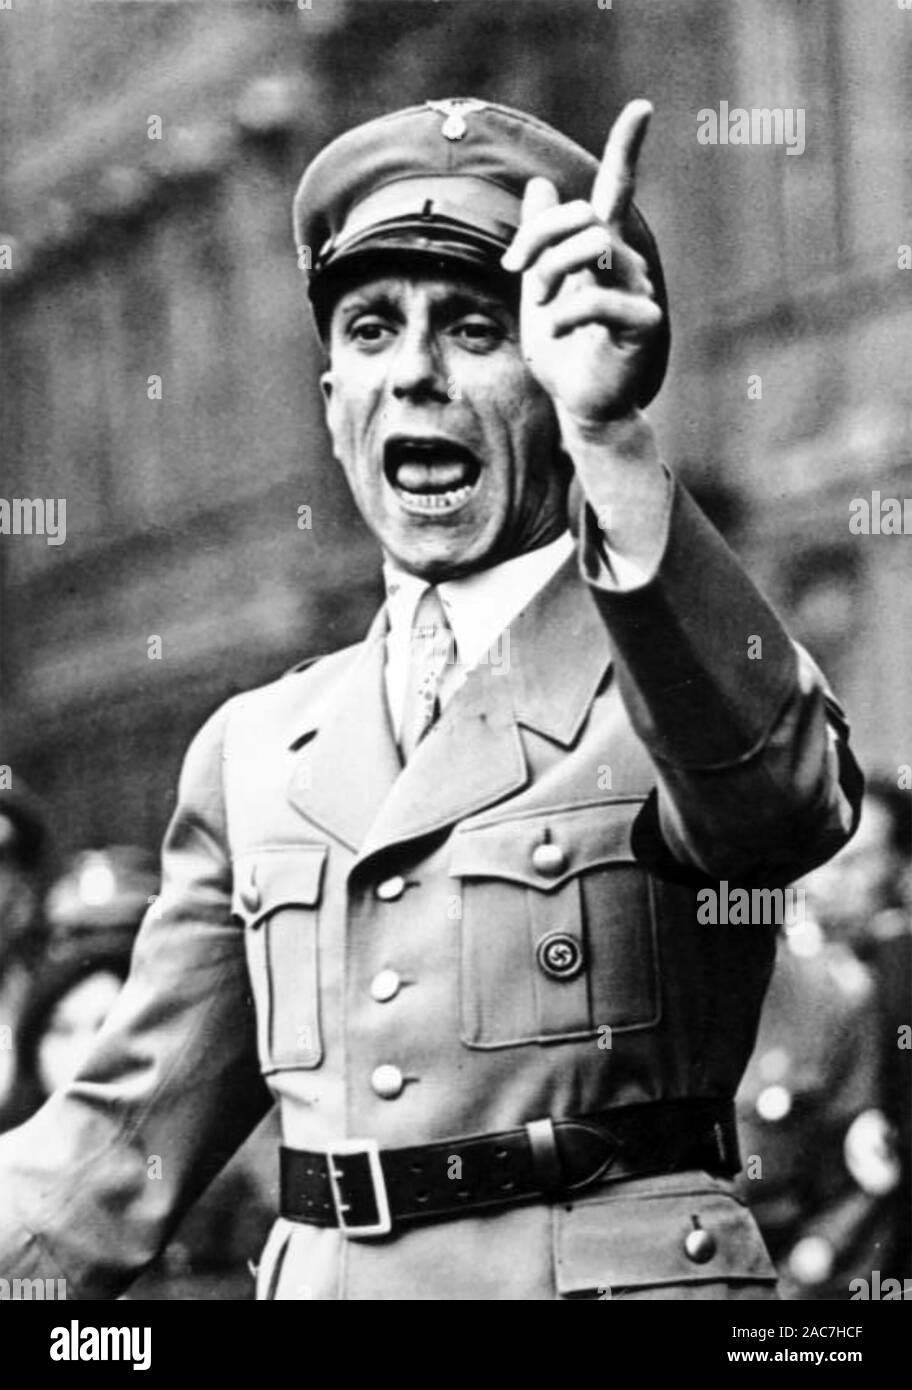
430 475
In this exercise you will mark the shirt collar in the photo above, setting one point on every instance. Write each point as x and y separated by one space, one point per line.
479 606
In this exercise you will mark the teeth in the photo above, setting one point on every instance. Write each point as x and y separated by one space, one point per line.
442 475
435 501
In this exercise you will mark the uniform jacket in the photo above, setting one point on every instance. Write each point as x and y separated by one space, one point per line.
634 731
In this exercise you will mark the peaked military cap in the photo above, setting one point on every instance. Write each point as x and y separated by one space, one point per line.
443 180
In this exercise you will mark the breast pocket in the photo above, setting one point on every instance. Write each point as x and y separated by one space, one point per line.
558 927
277 895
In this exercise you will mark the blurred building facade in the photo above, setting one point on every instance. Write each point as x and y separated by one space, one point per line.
135 261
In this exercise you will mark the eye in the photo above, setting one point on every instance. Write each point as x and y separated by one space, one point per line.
478 332
369 330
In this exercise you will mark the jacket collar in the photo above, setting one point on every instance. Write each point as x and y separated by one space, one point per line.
559 656
349 778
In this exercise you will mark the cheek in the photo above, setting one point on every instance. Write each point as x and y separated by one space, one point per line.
532 423
511 403
518 387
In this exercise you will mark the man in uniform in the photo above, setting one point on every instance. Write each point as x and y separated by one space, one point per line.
457 863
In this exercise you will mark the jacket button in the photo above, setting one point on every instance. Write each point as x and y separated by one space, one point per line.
560 955
390 889
387 1081
250 893
385 985
699 1245
549 859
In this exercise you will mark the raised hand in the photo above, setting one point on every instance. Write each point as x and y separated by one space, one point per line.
588 315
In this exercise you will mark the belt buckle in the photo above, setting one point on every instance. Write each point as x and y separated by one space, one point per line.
369 1151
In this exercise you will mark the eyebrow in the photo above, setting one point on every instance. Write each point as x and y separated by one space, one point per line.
366 301
450 302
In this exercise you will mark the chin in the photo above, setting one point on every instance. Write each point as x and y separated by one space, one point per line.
437 563
434 568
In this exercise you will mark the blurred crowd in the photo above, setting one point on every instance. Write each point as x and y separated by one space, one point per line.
65 946
825 1108
826 1102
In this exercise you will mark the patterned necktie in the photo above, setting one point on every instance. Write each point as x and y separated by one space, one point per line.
431 649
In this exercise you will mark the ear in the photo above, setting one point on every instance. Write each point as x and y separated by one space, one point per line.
327 386
327 383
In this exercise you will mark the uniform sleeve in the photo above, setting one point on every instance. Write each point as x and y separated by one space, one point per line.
92 1186
754 776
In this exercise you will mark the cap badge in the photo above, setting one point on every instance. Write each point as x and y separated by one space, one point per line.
455 111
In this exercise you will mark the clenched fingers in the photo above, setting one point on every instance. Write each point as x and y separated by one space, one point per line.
618 310
595 248
544 223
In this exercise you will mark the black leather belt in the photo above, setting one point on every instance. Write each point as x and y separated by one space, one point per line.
367 1191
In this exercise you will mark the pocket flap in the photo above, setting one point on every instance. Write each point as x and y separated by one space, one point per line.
266 879
638 1241
584 837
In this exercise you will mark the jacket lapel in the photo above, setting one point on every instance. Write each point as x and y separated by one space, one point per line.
348 760
471 758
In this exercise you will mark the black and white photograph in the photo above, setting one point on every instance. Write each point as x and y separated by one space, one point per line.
455 654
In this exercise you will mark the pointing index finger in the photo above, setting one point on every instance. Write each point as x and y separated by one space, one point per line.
614 183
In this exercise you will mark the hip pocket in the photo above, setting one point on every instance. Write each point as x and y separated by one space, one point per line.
677 1237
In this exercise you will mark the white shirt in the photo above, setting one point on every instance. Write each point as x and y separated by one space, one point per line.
479 608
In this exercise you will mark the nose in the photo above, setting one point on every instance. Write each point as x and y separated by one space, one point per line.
417 371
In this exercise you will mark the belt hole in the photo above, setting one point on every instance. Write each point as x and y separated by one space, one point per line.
416 1168
507 1186
501 1154
422 1196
